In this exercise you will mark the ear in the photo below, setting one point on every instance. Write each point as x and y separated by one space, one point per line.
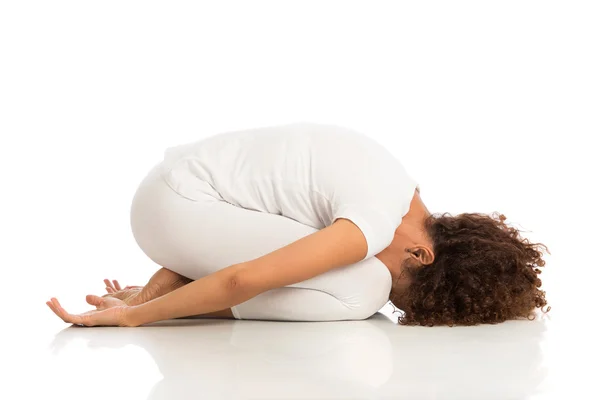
422 254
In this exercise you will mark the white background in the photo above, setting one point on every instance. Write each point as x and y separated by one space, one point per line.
491 106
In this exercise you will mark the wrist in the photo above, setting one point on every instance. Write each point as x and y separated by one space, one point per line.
129 317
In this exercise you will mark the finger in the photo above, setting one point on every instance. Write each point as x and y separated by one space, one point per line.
56 307
72 318
116 283
110 290
62 313
54 310
94 300
109 284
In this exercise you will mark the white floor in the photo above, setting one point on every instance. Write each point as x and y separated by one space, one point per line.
372 359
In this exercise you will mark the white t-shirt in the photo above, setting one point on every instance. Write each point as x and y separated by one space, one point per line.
309 172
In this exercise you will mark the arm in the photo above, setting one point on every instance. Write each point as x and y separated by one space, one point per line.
337 245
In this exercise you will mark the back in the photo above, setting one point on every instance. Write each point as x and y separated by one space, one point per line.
311 173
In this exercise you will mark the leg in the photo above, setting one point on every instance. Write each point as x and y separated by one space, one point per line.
162 282
196 232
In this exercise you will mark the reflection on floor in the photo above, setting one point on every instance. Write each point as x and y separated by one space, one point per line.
224 359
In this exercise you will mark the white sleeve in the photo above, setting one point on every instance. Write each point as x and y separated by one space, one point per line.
377 227
376 206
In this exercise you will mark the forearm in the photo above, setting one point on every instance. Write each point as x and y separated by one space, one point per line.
212 293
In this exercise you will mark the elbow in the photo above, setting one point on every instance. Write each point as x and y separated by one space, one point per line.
232 283
238 289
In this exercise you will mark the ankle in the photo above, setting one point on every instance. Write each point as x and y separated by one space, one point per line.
181 281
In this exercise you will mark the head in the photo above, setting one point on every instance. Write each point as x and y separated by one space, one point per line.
466 269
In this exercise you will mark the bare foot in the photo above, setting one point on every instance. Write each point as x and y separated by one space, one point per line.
162 282
128 295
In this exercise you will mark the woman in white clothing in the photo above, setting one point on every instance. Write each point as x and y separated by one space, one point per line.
311 222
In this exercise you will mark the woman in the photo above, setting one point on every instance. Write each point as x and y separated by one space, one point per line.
311 222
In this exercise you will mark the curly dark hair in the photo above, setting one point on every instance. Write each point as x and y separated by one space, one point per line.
483 272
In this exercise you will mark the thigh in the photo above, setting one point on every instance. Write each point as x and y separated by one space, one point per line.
195 237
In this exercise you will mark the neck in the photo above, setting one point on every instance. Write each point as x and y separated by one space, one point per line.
394 255
415 216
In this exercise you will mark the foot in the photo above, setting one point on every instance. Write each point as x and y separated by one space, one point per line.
162 282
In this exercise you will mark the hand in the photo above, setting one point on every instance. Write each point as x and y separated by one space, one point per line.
114 286
109 312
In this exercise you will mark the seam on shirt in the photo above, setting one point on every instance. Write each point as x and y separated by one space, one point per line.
324 198
293 185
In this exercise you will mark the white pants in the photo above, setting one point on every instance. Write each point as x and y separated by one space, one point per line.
198 237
